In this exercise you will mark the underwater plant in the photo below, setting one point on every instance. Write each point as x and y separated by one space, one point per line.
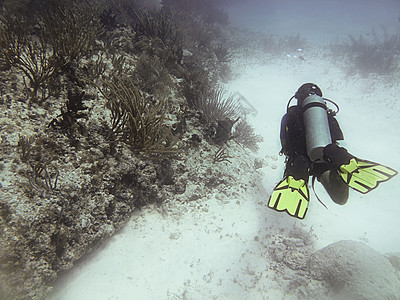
215 105
94 69
161 56
39 65
156 25
12 37
373 55
62 32
73 110
162 32
138 120
25 144
30 54
36 153
221 156
222 132
244 134
73 27
151 76
108 20
222 54
41 178
120 12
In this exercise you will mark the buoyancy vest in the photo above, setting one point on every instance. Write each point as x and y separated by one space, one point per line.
293 133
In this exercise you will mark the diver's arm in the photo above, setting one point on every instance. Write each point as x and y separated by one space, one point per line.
334 128
283 135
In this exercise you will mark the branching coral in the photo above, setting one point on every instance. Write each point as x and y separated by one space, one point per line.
138 120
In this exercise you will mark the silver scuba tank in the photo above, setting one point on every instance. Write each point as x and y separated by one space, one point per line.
316 124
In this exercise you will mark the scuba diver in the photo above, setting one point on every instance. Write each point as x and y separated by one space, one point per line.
309 136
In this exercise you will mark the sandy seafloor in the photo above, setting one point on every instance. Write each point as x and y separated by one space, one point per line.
218 249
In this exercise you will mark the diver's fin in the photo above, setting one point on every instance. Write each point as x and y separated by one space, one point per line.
363 175
290 195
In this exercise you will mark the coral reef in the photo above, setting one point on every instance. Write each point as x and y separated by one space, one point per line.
97 121
138 120
45 45
342 270
369 275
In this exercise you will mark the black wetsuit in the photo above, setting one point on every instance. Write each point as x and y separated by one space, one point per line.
293 140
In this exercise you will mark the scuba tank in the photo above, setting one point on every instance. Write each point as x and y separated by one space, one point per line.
316 123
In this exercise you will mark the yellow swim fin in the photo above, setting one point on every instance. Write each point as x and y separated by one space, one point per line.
292 196
363 175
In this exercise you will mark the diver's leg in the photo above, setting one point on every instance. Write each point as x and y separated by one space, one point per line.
298 167
337 189
291 193
359 174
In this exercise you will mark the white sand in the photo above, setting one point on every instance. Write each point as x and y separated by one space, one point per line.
213 249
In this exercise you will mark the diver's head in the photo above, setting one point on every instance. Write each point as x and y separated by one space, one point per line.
306 90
